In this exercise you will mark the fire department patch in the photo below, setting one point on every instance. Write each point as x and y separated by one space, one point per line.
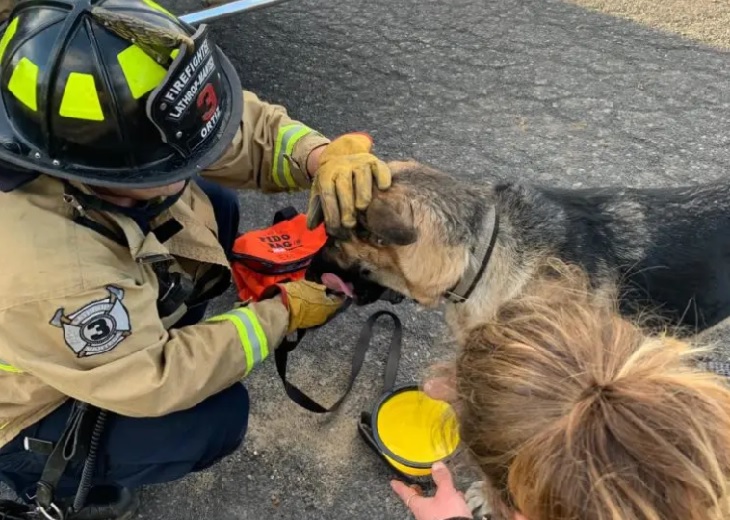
97 327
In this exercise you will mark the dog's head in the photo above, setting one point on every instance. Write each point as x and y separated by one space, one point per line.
409 240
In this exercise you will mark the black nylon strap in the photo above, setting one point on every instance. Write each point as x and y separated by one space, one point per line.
286 213
391 366
150 210
391 370
167 230
101 229
73 445
487 257
10 510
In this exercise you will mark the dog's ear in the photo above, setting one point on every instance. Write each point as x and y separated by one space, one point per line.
390 221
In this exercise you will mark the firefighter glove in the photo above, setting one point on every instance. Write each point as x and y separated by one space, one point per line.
344 182
310 304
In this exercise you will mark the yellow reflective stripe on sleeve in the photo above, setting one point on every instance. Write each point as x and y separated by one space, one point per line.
80 98
24 83
285 140
258 331
3 425
4 367
142 73
241 329
253 340
7 36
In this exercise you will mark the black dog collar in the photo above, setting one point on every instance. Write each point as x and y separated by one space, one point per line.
461 292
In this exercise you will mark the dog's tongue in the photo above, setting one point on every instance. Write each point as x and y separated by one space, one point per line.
335 283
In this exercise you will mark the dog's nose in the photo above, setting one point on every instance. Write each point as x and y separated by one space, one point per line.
364 272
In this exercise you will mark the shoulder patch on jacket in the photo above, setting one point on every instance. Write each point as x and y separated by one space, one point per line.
97 327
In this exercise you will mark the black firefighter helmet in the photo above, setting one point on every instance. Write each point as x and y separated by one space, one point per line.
116 93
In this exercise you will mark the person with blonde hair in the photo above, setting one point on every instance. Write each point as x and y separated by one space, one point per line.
571 412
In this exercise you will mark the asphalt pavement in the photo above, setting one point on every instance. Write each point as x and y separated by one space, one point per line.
535 90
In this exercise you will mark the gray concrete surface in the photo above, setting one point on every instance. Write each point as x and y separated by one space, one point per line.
530 89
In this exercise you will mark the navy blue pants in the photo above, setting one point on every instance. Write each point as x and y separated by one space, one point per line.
139 451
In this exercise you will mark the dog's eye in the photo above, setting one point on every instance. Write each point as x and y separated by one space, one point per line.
366 236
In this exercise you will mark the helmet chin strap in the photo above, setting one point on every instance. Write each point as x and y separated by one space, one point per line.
141 213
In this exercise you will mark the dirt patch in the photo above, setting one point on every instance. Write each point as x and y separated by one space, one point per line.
326 449
328 446
325 443
707 21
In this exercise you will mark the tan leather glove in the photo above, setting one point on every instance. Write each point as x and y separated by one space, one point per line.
344 181
308 304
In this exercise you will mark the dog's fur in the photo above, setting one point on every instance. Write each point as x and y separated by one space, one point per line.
665 249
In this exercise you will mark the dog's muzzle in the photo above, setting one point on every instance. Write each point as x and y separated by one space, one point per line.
364 291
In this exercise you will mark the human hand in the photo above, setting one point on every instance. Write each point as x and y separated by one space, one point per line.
441 389
447 504
344 182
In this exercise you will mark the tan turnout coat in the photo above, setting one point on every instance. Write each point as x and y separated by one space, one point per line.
78 314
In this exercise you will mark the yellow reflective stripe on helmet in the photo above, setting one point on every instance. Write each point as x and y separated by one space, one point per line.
142 73
80 98
3 425
286 138
7 36
4 367
158 7
253 340
24 83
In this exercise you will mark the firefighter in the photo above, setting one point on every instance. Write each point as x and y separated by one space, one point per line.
123 133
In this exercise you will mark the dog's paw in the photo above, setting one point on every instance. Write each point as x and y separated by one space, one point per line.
477 500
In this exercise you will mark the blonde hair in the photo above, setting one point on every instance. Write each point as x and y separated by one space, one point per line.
572 412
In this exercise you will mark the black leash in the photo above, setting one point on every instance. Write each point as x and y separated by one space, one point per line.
74 444
281 356
79 442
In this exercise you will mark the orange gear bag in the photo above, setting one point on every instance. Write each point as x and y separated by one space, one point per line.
276 254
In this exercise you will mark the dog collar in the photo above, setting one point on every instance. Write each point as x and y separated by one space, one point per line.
461 292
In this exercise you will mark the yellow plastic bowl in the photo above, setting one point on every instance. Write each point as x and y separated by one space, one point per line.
413 431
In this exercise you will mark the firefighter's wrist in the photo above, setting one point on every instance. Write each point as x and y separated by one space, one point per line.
277 293
313 160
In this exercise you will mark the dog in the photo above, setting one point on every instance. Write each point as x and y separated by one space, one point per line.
432 237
